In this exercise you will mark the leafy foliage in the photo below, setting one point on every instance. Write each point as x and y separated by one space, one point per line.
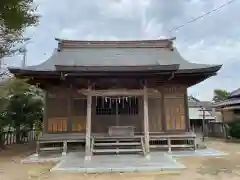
220 95
15 17
234 128
23 109
23 106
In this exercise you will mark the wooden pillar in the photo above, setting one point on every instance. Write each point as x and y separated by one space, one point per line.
64 153
37 148
88 152
146 123
164 126
45 116
186 113
69 104
203 123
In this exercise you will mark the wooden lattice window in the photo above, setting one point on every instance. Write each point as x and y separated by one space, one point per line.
117 105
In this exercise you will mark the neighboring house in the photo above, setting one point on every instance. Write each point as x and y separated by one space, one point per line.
230 108
199 110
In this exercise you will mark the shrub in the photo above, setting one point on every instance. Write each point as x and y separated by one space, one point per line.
234 128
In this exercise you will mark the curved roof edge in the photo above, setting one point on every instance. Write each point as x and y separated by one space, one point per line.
144 68
210 69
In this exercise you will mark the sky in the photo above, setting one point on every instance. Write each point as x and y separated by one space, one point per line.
214 39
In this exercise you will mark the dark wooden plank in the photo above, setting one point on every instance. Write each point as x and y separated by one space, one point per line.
45 114
163 110
186 114
69 95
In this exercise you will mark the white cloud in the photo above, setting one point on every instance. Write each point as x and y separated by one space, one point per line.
213 39
101 38
123 8
220 52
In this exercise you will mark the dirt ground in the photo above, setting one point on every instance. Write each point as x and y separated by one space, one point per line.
198 168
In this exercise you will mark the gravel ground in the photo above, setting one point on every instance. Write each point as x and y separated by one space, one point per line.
198 168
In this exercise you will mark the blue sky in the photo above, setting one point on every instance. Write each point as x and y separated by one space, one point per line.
213 39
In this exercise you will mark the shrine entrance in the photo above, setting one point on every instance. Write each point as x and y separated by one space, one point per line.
117 111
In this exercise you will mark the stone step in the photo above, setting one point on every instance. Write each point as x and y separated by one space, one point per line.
116 150
50 148
117 139
172 146
118 144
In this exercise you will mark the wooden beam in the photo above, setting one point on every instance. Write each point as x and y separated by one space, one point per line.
111 92
120 92
88 153
146 122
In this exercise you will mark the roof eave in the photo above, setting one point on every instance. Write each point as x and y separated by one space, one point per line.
119 69
209 70
17 71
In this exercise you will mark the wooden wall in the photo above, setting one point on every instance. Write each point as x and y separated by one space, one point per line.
155 114
228 115
166 112
174 105
65 114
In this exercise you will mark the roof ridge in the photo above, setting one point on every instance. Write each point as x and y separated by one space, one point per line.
155 43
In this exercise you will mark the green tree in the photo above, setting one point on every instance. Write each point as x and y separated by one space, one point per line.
234 128
9 88
23 110
220 95
20 105
15 17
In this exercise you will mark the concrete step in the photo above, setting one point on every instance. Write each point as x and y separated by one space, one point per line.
117 139
50 148
118 144
172 146
116 150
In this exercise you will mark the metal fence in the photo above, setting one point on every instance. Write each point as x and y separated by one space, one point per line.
10 137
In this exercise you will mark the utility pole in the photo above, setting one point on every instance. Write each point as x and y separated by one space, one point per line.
24 51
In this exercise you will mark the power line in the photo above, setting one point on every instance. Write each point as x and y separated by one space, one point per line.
199 17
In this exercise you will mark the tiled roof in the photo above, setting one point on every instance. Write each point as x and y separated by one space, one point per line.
228 102
195 108
235 93
118 53
197 113
162 43
194 102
